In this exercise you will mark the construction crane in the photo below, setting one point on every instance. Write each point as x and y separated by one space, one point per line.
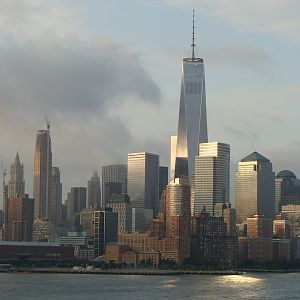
47 122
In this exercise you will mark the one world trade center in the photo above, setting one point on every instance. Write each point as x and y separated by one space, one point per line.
192 125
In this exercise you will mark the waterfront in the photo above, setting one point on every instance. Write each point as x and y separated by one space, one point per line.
89 286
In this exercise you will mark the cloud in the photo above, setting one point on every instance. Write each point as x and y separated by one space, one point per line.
50 65
240 55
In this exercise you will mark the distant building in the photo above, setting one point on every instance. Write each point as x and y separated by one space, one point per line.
292 214
141 218
19 222
76 202
113 173
16 185
94 191
87 221
281 227
42 174
120 204
178 218
255 184
287 190
111 188
41 231
259 233
211 181
143 180
105 230
56 199
163 180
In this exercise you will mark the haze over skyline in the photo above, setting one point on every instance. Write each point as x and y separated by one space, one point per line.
107 75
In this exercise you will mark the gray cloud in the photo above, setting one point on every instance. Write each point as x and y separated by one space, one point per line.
77 80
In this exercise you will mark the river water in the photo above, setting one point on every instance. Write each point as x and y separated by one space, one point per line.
90 286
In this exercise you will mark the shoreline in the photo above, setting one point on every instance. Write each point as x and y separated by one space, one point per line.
126 271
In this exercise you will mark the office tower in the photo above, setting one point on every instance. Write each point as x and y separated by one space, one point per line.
76 202
143 177
178 218
120 204
94 191
42 174
192 124
255 185
19 222
41 231
287 189
163 180
173 155
111 188
55 199
141 218
87 221
1 218
211 181
291 213
16 185
281 227
259 233
113 173
105 230
209 237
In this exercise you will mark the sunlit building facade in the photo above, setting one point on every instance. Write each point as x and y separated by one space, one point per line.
211 183
178 218
192 124
42 174
255 188
143 180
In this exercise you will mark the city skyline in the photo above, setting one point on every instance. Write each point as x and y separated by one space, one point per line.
244 52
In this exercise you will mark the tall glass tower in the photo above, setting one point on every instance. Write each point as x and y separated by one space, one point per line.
192 125
42 171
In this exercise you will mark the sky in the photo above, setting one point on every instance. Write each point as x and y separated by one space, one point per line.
107 76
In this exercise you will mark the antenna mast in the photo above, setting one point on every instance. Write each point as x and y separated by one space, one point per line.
193 37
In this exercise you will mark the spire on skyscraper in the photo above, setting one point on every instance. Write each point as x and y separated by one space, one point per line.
193 37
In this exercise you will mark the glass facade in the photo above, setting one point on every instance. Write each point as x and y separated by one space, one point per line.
255 188
94 191
192 125
42 174
113 173
143 180
211 181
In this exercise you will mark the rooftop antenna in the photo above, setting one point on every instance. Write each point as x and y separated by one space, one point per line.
193 38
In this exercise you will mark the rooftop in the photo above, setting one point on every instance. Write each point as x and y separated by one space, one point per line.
255 156
286 173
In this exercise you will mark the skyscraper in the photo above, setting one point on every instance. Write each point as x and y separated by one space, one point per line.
163 180
19 221
56 198
178 218
192 125
116 173
42 171
94 191
105 230
76 202
143 177
211 182
16 185
255 188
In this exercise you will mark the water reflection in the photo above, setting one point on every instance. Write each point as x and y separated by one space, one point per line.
239 279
